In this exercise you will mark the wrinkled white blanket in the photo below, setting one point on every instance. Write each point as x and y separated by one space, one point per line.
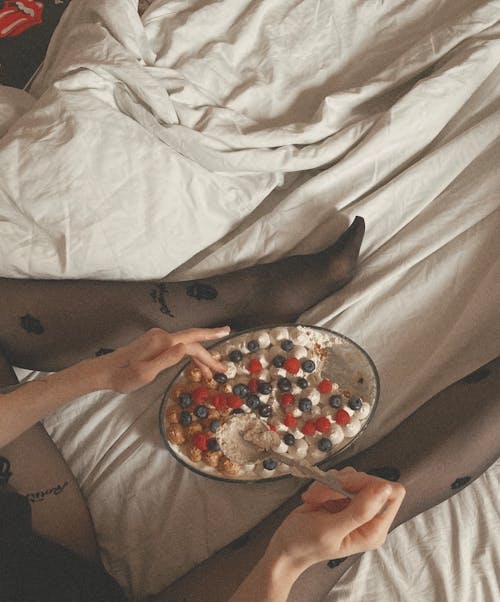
207 136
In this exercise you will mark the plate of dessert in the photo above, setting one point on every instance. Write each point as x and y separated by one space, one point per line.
315 389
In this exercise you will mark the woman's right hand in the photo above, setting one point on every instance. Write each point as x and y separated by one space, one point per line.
130 367
328 526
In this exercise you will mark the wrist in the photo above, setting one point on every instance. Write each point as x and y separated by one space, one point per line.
91 376
281 567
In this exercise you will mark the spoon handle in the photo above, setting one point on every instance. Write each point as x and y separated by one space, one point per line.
312 472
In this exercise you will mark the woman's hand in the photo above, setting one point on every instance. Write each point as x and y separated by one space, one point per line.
326 526
329 526
137 364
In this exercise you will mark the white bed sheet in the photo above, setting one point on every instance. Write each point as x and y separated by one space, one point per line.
210 136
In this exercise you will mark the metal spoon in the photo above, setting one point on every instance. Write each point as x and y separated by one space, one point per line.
239 449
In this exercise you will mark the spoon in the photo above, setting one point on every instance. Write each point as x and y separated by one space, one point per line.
244 439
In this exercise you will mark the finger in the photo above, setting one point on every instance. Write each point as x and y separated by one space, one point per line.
374 532
198 353
166 359
205 371
364 506
195 335
317 493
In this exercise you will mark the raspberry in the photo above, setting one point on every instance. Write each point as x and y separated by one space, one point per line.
234 401
325 386
342 417
292 365
200 441
219 401
253 385
272 427
200 394
309 428
289 420
323 425
254 367
287 399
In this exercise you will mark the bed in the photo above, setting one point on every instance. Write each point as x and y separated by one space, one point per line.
204 136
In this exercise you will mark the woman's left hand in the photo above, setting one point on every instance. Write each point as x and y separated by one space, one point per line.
137 364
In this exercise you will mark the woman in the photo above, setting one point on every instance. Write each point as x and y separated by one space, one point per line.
57 326
54 325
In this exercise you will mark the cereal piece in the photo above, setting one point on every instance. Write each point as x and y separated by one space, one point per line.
194 375
193 429
227 467
212 458
211 384
175 434
194 453
178 390
226 389
172 414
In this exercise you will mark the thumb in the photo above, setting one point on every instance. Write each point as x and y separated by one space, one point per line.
368 502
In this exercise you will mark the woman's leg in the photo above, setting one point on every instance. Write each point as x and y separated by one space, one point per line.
48 325
38 471
434 453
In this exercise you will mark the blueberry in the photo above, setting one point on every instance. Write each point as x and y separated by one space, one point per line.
236 356
214 425
240 390
278 361
305 405
220 378
335 401
252 401
284 384
185 418
253 345
264 388
308 366
289 439
355 403
286 345
237 411
265 410
324 444
201 411
302 383
213 445
269 464
185 400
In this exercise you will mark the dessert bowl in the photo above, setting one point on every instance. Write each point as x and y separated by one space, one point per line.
316 388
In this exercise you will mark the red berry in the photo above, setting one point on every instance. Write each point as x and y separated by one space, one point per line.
342 417
253 385
325 386
323 425
234 401
200 441
254 366
219 401
309 428
287 399
272 427
200 394
289 420
292 365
